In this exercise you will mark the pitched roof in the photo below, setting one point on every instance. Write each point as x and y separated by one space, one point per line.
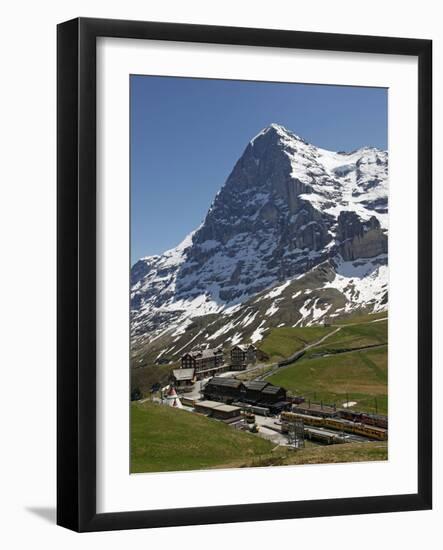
218 381
241 347
227 408
216 405
272 390
204 354
244 347
207 404
257 385
211 352
183 374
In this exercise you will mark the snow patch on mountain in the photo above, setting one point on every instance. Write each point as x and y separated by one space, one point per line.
257 335
276 291
364 282
271 310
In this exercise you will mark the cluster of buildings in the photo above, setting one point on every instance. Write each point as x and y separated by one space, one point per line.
257 394
204 363
225 397
238 402
228 399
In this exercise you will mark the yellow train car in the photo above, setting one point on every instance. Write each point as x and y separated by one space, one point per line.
335 423
307 419
356 428
338 424
371 431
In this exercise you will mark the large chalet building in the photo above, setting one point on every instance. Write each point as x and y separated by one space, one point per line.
205 362
243 355
210 361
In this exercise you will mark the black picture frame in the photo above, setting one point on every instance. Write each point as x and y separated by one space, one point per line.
76 264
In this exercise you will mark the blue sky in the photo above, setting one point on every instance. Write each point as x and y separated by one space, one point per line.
187 134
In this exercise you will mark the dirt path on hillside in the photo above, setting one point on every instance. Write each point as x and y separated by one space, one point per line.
295 356
313 344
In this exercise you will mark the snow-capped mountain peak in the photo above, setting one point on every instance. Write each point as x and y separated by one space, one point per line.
287 208
277 130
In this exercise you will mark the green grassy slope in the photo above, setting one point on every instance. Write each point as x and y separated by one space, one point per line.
359 376
348 452
283 342
359 318
166 439
353 337
319 454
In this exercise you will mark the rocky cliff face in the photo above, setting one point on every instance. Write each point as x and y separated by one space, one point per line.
286 209
358 238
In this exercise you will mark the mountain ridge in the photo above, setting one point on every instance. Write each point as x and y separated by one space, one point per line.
286 209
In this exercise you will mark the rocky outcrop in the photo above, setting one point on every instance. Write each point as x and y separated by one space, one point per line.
358 238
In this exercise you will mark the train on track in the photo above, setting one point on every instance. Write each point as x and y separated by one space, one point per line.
339 424
330 411
365 418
